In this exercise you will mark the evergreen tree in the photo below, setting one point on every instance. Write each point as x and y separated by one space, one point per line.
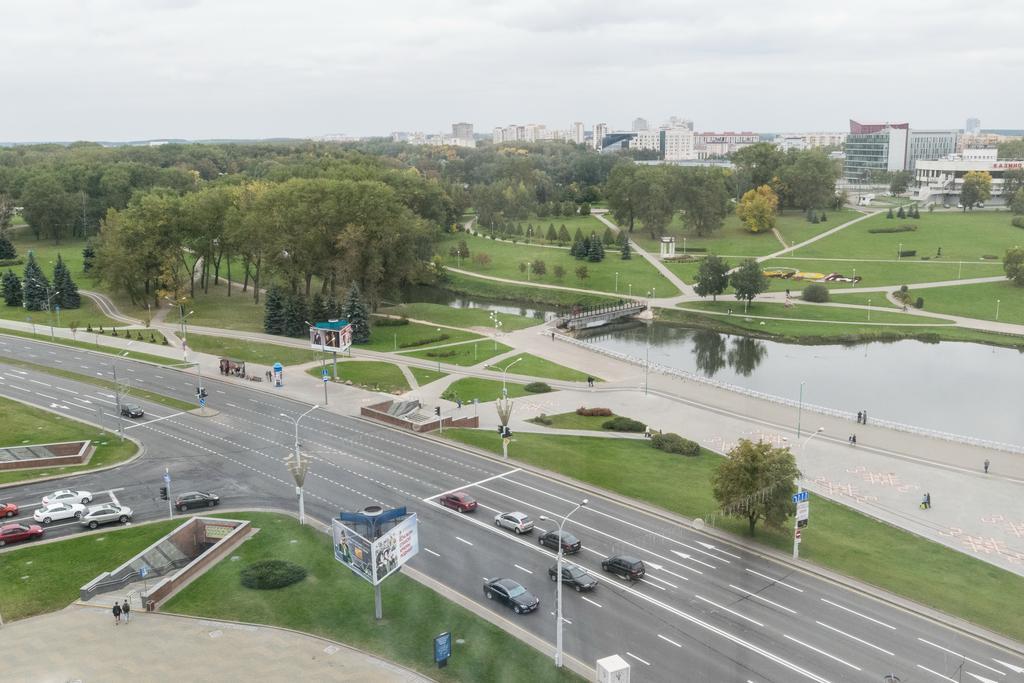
273 311
585 209
627 252
593 248
519 229
36 285
317 309
12 288
552 235
890 214
88 256
600 249
578 249
294 314
563 234
823 216
609 236
901 213
529 230
578 237
334 309
355 312
68 296
7 250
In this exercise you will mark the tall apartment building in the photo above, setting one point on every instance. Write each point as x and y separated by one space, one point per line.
640 124
678 122
874 147
648 140
600 130
576 132
930 144
677 144
973 126
462 131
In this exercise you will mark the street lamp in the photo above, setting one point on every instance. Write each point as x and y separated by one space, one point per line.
899 252
558 578
997 309
297 466
630 289
869 310
616 282
497 327
504 389
854 283
117 388
799 488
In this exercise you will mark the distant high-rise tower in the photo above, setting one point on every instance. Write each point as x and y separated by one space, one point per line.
678 122
462 131
577 132
639 124
973 126
600 130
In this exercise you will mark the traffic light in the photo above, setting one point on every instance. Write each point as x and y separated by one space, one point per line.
201 392
507 433
501 430
437 411
163 493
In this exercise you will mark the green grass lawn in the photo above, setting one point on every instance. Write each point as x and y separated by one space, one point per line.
520 294
89 342
485 390
855 298
424 376
413 335
46 255
333 603
881 273
809 311
460 317
87 314
571 420
463 354
505 260
532 366
371 374
976 301
840 538
23 425
217 309
263 353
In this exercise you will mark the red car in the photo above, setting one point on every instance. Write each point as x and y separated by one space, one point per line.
11 533
8 510
460 500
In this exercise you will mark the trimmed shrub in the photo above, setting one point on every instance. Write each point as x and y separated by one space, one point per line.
538 387
815 293
390 322
594 412
421 342
1017 222
19 261
543 419
270 574
673 443
908 252
895 228
623 424
919 303
990 257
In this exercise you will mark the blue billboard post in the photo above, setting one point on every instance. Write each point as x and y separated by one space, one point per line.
278 375
443 649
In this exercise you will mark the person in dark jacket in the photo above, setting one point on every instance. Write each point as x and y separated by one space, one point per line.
117 613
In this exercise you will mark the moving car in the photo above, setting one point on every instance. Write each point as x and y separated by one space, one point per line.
132 410
518 522
574 576
11 533
196 499
104 514
570 544
57 511
8 510
512 594
68 496
625 566
460 500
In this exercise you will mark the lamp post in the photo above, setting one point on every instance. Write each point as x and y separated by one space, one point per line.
497 328
899 252
117 389
297 466
997 309
323 361
684 246
799 488
558 590
854 283
800 410
49 298
616 282
504 389
630 289
869 310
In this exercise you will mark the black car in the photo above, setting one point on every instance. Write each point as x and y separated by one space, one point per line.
512 594
625 566
196 499
132 410
570 544
574 576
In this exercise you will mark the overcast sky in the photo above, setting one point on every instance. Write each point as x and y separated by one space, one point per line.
124 70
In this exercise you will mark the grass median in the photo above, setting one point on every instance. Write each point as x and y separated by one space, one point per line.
838 538
369 374
486 390
461 317
133 352
424 376
465 355
533 366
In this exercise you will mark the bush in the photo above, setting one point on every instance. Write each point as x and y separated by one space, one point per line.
537 387
19 261
1018 222
673 443
815 293
594 412
444 353
390 322
919 303
426 340
623 424
895 228
990 257
543 419
270 574
908 252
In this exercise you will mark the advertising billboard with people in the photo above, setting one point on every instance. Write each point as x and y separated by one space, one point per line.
395 548
332 336
353 550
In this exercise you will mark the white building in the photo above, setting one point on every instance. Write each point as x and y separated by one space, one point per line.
677 144
941 180
639 124
930 144
809 140
973 126
649 140
577 132
710 145
600 130
679 122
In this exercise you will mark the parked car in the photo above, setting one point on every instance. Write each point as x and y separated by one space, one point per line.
574 576
570 544
512 594
68 496
518 522
625 566
8 510
104 514
132 410
11 533
460 500
196 499
54 512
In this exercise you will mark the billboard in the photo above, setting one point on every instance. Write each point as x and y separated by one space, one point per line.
334 335
395 548
352 550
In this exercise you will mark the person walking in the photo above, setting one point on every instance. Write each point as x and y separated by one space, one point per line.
860 416
117 613
986 465
865 421
853 439
927 501
126 610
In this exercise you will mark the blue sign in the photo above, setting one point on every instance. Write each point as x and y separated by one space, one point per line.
143 570
800 497
325 374
202 403
443 648
167 478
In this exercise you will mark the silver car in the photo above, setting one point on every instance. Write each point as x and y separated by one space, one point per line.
104 514
518 522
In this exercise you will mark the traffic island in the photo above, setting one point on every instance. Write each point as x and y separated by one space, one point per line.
410 415
46 455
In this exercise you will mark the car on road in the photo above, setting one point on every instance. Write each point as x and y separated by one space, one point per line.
518 522
574 576
512 594
625 566
54 512
106 513
8 510
68 496
132 410
14 532
459 500
196 499
570 544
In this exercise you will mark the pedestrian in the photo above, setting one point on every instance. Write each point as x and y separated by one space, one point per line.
849 439
787 292
126 610
860 416
928 501
117 613
853 439
986 465
552 335
458 403
865 417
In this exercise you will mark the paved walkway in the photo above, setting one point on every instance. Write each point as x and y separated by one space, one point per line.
82 644
684 289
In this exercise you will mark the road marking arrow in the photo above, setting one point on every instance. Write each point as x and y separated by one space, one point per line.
981 678
682 555
1011 667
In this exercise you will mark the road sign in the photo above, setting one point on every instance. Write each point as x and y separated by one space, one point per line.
167 478
796 535
801 523
800 497
202 403
803 510
324 374
443 648
143 570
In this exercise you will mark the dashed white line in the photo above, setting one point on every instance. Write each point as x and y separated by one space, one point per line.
862 642
774 580
68 390
432 552
645 581
945 678
35 381
523 568
762 599
864 616
669 640
670 585
822 652
457 538
52 398
960 656
596 604
726 609
563 619
15 386
642 661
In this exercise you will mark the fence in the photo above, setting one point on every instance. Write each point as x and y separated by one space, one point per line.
842 414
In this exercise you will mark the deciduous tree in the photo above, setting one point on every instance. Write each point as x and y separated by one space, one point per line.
977 188
712 277
756 482
758 209
748 280
1013 265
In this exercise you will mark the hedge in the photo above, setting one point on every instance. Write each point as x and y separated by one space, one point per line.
594 412
815 293
623 424
390 322
673 443
895 228
426 340
1017 222
537 387
908 252
270 574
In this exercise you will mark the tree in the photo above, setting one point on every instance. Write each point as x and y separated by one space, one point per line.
1013 182
815 292
608 237
627 251
273 311
36 287
712 277
595 250
890 213
563 234
7 250
622 190
1017 201
901 213
899 181
558 271
578 236
1013 265
748 280
552 234
579 249
809 178
12 289
977 188
88 257
482 259
757 164
585 209
704 198
66 290
294 312
354 310
756 482
582 273
48 209
539 267
757 209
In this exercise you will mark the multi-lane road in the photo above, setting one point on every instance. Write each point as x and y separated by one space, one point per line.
706 611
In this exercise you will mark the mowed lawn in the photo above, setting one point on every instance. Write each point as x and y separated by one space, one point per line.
977 301
468 388
533 366
262 353
506 259
881 273
463 354
372 374
586 224
801 310
460 317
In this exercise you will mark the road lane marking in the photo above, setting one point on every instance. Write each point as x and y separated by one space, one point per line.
15 386
670 585
432 552
862 642
523 568
475 483
596 604
52 398
880 623
159 376
101 400
165 417
1011 667
945 678
68 390
231 405
669 640
730 611
35 381
822 652
457 538
563 619
964 657
661 588
642 661
774 580
758 597
980 678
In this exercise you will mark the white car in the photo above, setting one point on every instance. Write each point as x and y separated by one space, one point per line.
58 511
518 522
68 496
